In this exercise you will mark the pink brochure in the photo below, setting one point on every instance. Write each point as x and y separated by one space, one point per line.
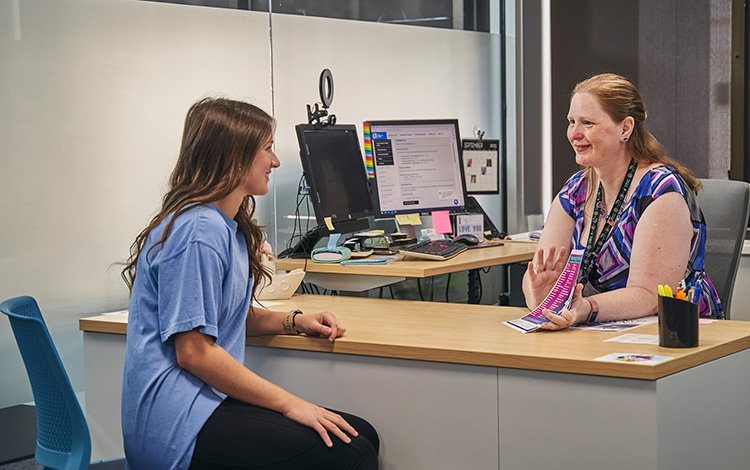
441 220
557 299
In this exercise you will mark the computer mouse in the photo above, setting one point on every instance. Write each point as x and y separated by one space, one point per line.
467 239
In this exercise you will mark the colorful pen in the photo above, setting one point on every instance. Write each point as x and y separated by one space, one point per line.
668 291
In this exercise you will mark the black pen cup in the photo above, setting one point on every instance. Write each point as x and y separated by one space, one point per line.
678 323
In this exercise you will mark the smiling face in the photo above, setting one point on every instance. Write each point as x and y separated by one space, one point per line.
595 137
258 175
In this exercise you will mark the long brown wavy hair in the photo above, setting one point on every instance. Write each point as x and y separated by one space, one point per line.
620 98
220 140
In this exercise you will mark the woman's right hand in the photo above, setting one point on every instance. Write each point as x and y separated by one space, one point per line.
320 419
542 273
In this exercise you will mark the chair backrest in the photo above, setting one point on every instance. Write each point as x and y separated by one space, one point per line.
725 205
63 440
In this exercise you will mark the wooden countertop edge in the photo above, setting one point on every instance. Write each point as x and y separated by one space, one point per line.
513 361
412 267
469 265
88 325
475 358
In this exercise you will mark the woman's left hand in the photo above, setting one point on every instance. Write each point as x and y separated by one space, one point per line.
577 313
323 325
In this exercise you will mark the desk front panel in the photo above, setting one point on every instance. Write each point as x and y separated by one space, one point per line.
429 416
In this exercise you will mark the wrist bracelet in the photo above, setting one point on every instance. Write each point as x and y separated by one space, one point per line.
290 327
594 310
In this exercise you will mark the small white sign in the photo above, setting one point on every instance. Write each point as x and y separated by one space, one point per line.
470 223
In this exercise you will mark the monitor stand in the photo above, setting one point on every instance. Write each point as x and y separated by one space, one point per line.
473 206
304 247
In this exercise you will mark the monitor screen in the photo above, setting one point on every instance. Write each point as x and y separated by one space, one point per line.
335 172
417 165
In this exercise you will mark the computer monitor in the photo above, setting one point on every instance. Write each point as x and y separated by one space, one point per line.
417 166
336 175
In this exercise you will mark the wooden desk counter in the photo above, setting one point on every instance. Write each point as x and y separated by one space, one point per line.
475 258
476 335
429 374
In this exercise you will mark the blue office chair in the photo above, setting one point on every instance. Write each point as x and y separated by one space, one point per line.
63 440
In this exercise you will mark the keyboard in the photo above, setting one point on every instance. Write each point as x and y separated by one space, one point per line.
437 250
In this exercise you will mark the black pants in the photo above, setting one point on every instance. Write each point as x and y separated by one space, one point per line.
239 435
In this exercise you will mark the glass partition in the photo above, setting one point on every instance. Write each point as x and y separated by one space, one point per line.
393 59
382 70
93 96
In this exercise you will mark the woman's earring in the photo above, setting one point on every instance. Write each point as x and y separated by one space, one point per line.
625 139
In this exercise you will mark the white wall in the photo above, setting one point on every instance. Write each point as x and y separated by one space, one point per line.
93 95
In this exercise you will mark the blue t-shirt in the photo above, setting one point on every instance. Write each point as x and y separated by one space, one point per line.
199 278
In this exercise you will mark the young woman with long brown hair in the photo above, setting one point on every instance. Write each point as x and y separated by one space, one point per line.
188 401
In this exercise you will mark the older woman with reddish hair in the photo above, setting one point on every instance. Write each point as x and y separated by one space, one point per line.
631 207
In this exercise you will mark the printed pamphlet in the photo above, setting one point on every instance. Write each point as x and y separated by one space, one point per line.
558 298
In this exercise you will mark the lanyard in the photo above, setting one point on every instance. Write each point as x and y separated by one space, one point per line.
599 208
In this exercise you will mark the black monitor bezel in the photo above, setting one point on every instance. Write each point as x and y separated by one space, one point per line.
357 220
459 147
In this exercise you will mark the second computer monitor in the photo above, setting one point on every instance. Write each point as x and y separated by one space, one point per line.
335 172
417 165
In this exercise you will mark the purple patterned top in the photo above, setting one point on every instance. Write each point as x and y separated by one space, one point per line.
612 264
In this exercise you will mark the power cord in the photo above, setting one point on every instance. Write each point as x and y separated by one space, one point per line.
302 195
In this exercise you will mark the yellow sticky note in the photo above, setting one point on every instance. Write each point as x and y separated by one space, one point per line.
414 219
403 219
329 224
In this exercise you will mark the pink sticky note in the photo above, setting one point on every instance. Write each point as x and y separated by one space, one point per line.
441 220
